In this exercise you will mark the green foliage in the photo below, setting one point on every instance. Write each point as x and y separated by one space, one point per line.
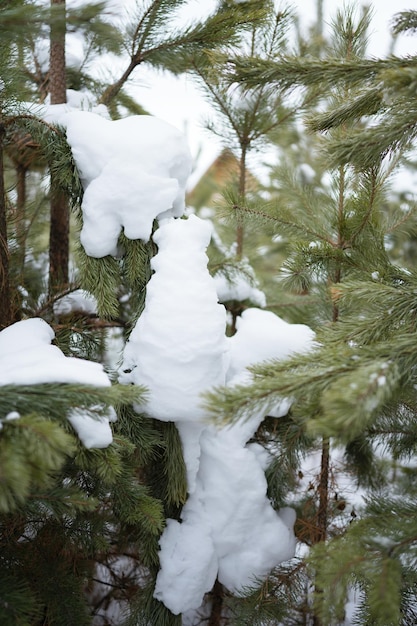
150 43
145 609
166 475
154 37
35 445
66 505
376 556
357 386
67 511
101 277
389 83
264 606
17 601
31 450
405 21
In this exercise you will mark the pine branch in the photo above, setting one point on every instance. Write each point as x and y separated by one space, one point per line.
367 148
150 43
18 602
32 450
368 103
367 558
54 399
281 217
290 72
403 22
101 278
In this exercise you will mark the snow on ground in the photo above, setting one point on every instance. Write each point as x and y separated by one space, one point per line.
27 357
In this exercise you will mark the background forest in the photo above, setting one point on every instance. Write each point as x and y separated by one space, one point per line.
309 222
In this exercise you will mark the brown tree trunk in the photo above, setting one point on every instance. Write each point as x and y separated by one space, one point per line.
57 72
322 513
21 172
59 227
216 605
5 296
113 90
58 241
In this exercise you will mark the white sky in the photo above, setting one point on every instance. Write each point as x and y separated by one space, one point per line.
179 102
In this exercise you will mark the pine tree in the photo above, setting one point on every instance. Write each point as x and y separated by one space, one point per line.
88 521
69 514
356 390
244 123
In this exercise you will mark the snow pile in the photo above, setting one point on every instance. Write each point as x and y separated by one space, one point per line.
178 349
76 101
261 336
134 170
28 358
240 287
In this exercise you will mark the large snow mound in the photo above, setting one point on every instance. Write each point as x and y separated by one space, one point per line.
178 350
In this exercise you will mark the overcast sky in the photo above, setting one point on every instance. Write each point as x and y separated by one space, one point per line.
179 102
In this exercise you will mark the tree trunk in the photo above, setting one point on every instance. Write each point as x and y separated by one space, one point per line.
113 90
21 172
57 72
216 605
322 513
242 198
58 241
59 227
5 297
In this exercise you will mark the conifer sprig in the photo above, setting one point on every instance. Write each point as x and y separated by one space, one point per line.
291 72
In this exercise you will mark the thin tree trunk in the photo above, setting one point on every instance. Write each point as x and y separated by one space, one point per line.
113 90
216 605
57 71
5 295
21 172
242 196
322 512
239 228
59 226
58 241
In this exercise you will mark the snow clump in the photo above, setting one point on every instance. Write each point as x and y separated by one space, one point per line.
133 170
178 349
27 357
